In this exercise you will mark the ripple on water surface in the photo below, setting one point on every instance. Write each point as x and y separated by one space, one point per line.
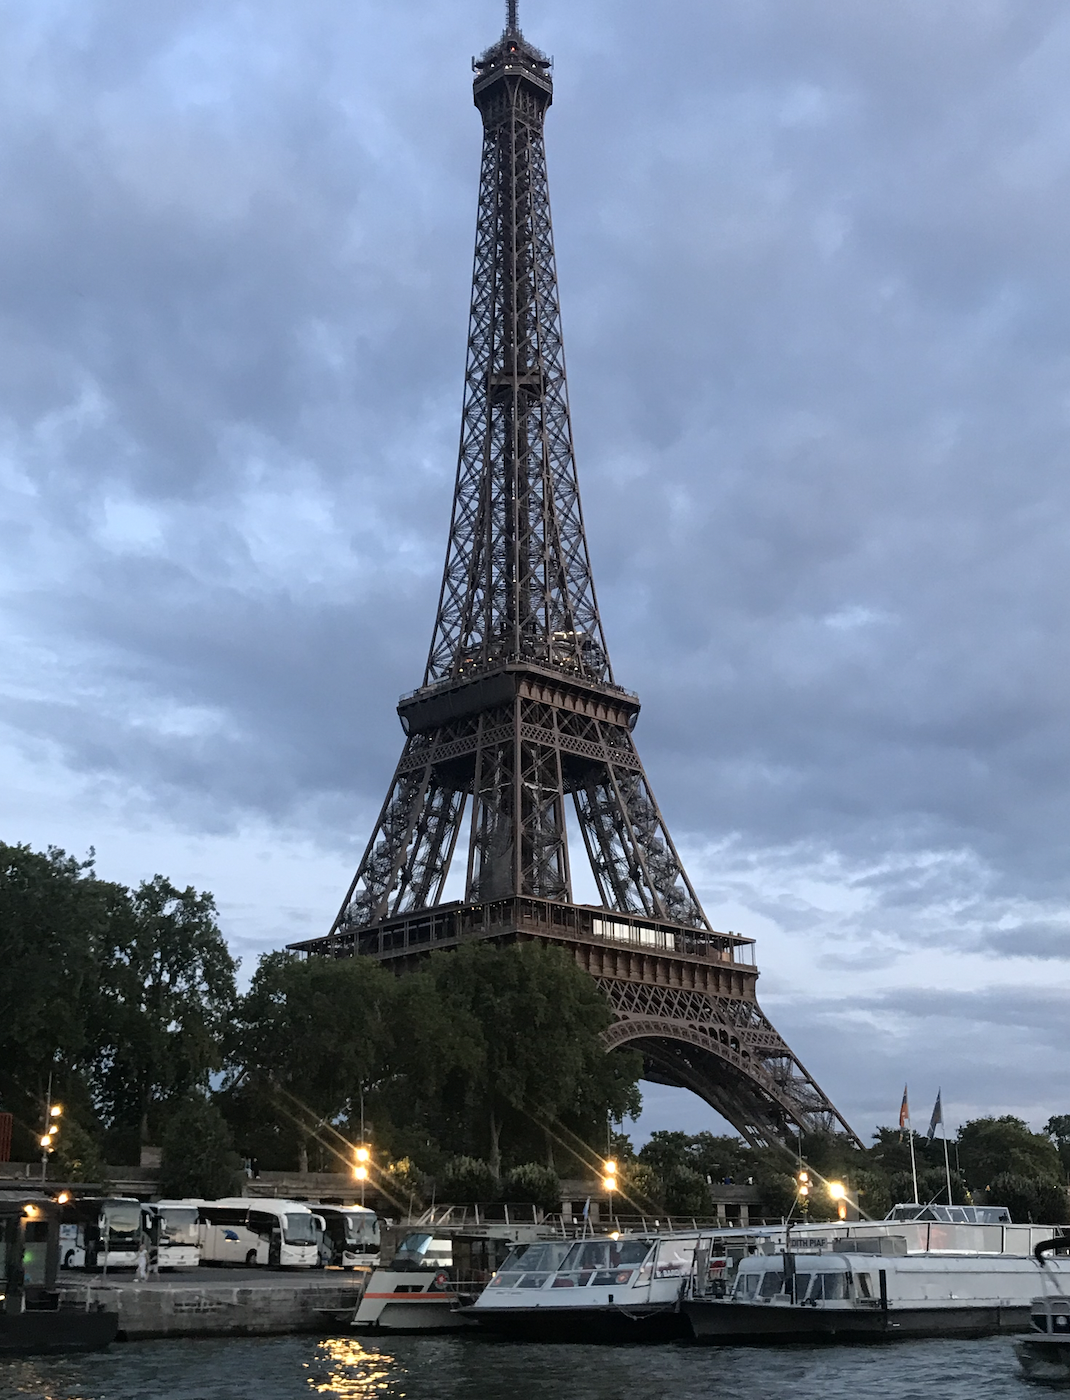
476 1368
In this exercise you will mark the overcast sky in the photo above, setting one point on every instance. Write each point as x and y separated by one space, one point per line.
813 272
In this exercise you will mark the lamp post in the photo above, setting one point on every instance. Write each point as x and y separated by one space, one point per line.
838 1192
53 1112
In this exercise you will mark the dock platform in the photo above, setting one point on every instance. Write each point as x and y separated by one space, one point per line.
208 1302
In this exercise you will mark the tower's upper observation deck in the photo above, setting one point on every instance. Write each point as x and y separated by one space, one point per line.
511 57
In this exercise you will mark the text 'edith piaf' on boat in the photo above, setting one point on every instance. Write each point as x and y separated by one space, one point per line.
876 1283
1045 1354
36 1315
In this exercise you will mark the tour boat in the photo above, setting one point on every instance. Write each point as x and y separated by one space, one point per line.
869 1288
439 1268
615 1288
37 1315
1045 1354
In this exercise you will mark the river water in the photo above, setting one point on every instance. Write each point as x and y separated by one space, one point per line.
478 1368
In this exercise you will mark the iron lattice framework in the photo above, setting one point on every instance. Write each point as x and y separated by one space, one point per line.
519 711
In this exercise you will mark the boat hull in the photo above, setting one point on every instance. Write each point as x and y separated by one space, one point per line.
605 1323
1044 1358
54 1333
725 1322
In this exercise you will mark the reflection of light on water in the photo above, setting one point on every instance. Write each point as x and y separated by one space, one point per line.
348 1368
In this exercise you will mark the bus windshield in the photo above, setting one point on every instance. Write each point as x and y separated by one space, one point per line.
123 1217
300 1229
179 1225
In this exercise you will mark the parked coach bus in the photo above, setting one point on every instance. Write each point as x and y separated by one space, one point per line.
101 1232
175 1241
352 1235
279 1234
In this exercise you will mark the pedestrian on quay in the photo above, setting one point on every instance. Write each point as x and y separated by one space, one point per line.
142 1271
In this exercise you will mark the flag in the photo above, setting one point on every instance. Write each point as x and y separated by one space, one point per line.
904 1111
938 1116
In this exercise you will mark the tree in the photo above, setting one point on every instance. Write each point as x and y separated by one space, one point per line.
1058 1128
533 1023
531 1182
468 1180
991 1147
1028 1199
55 918
310 1037
198 1157
166 995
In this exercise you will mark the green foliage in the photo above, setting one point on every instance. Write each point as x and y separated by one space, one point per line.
534 1183
991 1147
1059 1129
308 1036
166 994
684 1192
467 1180
497 1050
54 918
78 1155
1029 1199
198 1157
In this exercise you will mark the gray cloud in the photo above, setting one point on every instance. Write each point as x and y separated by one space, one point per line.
811 257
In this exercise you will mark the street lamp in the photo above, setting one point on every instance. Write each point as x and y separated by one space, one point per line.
609 1181
838 1192
360 1170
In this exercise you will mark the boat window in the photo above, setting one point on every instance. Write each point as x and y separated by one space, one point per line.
532 1280
300 1228
412 1249
527 1257
509 1280
772 1283
746 1285
834 1287
802 1286
863 1286
1039 1321
674 1257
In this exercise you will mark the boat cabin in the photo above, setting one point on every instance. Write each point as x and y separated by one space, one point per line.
952 1215
29 1252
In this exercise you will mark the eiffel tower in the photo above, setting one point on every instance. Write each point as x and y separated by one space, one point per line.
519 710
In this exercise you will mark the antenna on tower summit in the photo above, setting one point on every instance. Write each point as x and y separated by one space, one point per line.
512 22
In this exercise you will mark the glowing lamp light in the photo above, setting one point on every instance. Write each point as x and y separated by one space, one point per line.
837 1190
46 1141
56 1110
31 1212
63 1198
609 1183
804 1190
614 1235
363 1155
361 1173
610 1167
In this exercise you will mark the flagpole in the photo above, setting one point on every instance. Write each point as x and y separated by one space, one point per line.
913 1163
947 1164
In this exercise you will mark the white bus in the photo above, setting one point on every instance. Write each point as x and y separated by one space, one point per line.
101 1232
352 1235
175 1242
252 1231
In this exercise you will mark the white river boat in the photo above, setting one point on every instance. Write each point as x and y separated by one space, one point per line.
440 1267
1045 1354
617 1288
869 1289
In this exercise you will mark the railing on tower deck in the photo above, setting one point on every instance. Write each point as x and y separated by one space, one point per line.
449 924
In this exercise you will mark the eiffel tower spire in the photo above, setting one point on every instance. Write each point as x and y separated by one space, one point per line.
519 715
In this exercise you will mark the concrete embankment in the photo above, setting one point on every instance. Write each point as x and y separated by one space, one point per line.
224 1302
